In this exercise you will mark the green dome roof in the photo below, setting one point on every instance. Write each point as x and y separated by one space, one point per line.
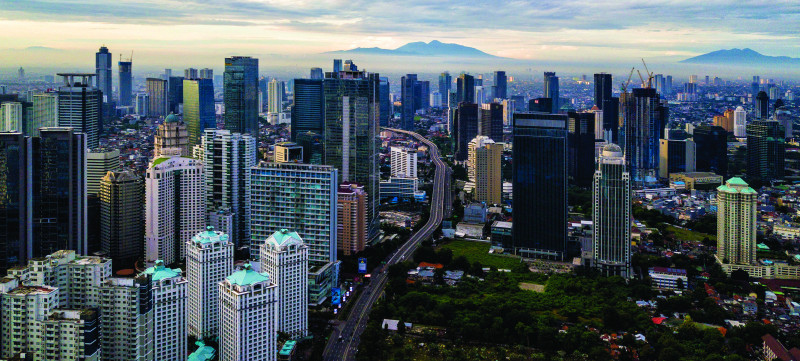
172 118
159 272
210 236
247 277
284 238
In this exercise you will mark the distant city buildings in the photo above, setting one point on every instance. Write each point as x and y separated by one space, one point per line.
351 208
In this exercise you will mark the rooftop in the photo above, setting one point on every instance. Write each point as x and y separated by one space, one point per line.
247 276
203 352
159 272
210 236
285 238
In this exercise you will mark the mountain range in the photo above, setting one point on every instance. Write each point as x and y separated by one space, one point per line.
419 48
743 57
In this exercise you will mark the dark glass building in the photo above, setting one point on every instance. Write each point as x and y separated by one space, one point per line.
14 206
175 94
198 108
240 87
445 85
125 83
766 151
644 119
386 102
465 123
551 90
491 123
580 150
539 183
711 149
465 88
313 150
308 110
500 85
540 105
602 89
409 93
611 120
762 105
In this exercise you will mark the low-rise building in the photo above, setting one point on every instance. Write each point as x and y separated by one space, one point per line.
668 278
696 180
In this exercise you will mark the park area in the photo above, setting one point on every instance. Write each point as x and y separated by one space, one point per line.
479 252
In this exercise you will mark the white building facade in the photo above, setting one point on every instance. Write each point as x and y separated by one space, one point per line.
248 307
404 162
284 257
209 259
169 290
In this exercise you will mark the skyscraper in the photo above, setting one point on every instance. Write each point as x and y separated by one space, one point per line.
408 85
308 110
465 123
175 208
351 134
301 197
14 205
337 65
59 192
227 159
551 90
485 167
157 91
386 112
126 318
241 95
313 147
580 150
491 121
676 156
125 82
603 99
739 122
465 88
190 73
766 151
762 105
175 94
422 95
44 113
611 214
500 85
79 106
284 257
539 184
316 74
207 73
736 222
11 117
169 312
98 163
277 93
404 162
102 66
712 149
248 316
644 119
198 109
351 208
445 86
122 218
209 259
171 134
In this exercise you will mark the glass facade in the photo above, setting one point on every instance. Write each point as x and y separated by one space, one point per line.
198 108
240 83
611 212
766 151
308 110
13 205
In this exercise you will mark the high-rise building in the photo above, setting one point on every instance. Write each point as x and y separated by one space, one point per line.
79 106
206 73
422 95
170 135
677 156
288 152
316 74
602 89
11 117
465 123
351 212
99 162
452 106
500 85
198 109
580 150
766 151
551 90
209 259
786 119
485 168
122 218
762 105
445 86
465 89
169 312
539 184
284 257
44 113
386 111
739 122
69 334
337 65
102 66
14 205
248 316
404 162
724 122
711 149
736 222
142 104
644 119
351 134
408 86
175 207
175 94
313 147
301 197
308 111
491 121
59 192
24 309
157 91
611 214
277 94
227 159
541 105
125 82
241 95
126 319
190 73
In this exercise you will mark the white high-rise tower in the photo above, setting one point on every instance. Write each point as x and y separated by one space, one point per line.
209 259
248 306
736 222
169 312
284 257
612 214
740 123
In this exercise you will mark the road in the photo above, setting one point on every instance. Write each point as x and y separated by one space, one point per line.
346 348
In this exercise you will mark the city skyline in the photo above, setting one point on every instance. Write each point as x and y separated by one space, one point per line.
298 33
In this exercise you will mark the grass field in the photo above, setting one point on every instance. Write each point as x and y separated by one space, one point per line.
479 251
685 234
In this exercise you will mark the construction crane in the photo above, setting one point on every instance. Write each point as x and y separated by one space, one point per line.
624 86
649 76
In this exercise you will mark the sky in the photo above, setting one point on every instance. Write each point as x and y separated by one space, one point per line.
286 33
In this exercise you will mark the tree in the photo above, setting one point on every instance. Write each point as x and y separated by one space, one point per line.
740 275
679 283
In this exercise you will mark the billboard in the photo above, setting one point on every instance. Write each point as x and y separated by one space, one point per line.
362 265
336 296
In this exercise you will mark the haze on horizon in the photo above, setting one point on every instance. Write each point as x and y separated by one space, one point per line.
294 33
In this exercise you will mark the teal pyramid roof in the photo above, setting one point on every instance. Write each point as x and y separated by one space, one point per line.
247 276
159 272
284 238
203 352
209 236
